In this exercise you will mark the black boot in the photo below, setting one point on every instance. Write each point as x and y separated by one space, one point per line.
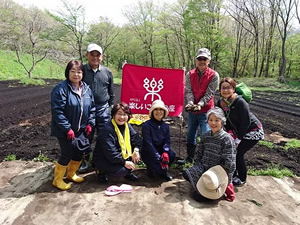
150 173
102 178
132 177
191 148
168 177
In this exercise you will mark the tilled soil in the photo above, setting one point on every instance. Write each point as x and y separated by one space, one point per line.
25 125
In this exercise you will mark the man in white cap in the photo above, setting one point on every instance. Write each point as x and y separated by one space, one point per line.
200 86
100 80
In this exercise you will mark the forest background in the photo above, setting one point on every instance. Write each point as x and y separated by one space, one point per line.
247 38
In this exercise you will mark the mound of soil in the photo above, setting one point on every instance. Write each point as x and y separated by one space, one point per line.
25 125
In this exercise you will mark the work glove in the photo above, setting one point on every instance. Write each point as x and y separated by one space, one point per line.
189 107
230 194
88 130
165 161
70 135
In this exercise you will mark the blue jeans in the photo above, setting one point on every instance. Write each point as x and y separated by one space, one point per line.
194 121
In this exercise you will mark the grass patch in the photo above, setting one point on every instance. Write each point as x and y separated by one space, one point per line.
271 84
10 157
294 143
41 158
272 170
268 144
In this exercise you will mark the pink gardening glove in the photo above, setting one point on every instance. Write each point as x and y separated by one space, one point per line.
70 135
88 130
165 161
230 194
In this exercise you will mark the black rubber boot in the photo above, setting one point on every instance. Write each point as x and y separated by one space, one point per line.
191 148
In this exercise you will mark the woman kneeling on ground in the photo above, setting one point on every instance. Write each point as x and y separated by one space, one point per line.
244 126
216 148
73 113
117 148
156 152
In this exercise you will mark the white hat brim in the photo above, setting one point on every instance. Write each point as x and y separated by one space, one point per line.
223 180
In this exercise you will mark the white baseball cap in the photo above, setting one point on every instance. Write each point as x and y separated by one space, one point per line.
94 47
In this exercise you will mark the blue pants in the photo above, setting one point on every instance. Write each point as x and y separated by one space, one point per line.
194 121
68 152
154 164
102 117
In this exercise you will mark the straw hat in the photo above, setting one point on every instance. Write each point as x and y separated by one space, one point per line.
213 183
158 104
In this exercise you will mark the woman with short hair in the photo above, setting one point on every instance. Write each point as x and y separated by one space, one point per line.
73 113
117 148
244 126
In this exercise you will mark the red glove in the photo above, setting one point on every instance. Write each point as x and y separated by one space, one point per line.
88 130
165 161
70 135
230 194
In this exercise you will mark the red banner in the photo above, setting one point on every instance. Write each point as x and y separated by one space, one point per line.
142 85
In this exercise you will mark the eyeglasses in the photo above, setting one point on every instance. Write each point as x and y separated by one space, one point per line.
122 114
201 59
227 88
75 72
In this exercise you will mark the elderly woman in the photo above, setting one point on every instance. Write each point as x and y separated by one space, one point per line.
216 148
244 126
156 152
73 113
117 148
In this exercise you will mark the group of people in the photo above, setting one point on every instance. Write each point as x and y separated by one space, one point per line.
83 104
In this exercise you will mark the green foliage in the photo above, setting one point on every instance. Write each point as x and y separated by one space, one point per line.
10 157
10 69
268 144
41 158
272 170
294 143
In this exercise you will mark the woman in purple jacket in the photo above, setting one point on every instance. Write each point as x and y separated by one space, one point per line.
156 152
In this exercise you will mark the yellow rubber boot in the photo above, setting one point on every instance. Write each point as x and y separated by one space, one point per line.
72 168
58 181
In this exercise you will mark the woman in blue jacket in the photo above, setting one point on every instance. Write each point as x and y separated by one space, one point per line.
156 152
117 148
73 113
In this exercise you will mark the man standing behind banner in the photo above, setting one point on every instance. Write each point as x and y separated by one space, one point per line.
100 80
200 86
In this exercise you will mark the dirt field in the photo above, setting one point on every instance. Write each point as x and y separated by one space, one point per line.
27 196
25 125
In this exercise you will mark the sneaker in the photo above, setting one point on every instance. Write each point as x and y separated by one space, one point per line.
84 167
237 182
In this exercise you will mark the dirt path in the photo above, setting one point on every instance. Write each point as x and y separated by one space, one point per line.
27 197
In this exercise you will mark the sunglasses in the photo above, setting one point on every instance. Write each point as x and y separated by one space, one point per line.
201 59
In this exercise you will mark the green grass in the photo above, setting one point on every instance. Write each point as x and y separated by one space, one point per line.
268 144
10 157
41 158
271 84
294 143
272 170
10 69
